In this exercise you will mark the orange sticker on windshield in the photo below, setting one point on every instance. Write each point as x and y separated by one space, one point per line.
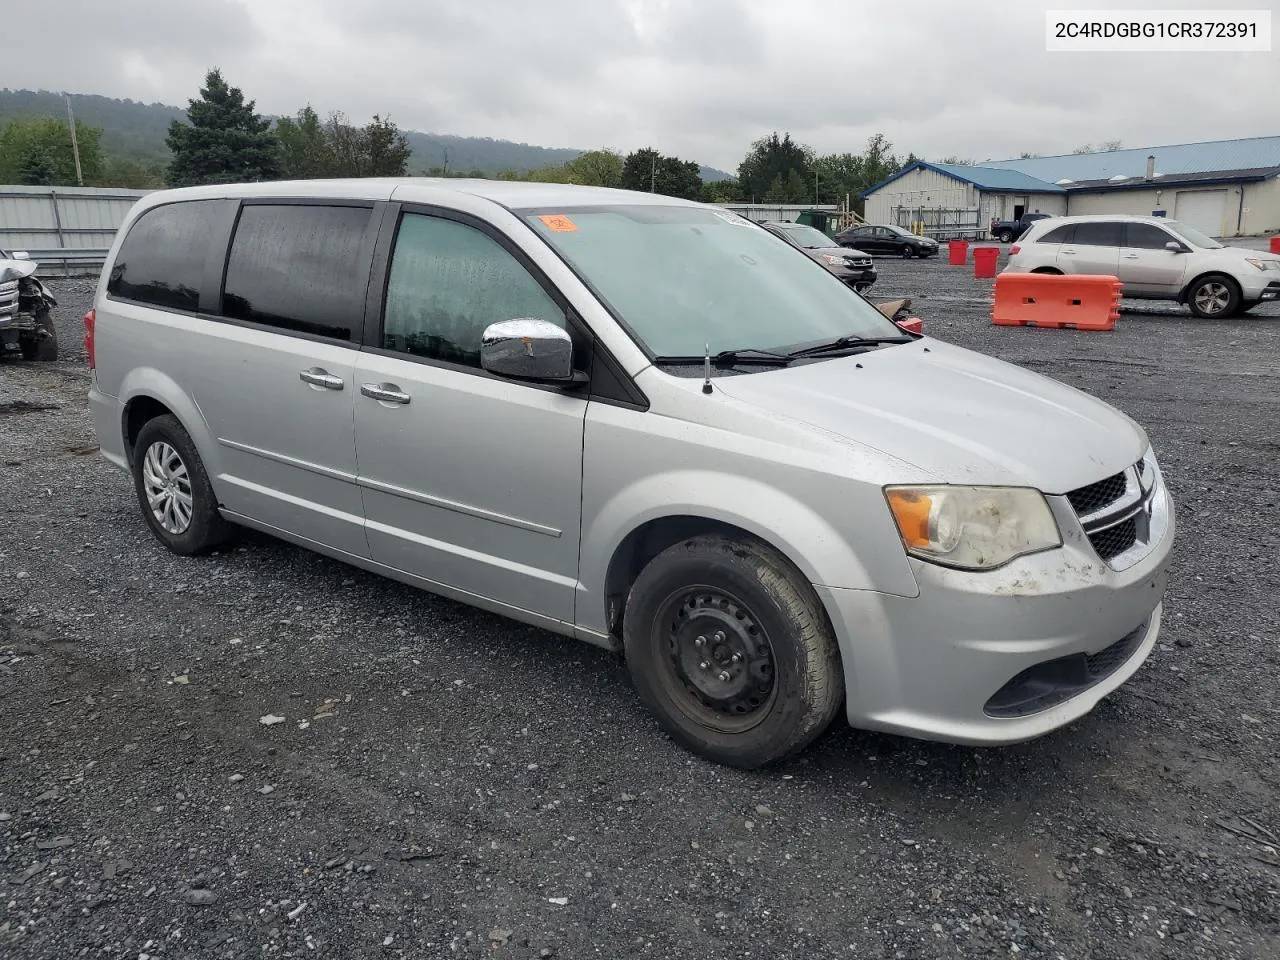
559 223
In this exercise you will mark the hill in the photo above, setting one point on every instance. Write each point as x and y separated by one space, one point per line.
135 130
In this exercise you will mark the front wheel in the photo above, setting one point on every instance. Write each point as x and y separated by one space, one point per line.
730 649
1005 236
1213 297
907 252
43 344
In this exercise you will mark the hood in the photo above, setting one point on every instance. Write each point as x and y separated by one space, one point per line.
959 416
16 269
1238 255
835 251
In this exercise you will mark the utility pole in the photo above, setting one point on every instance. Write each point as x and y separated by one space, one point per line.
653 174
446 161
75 146
815 188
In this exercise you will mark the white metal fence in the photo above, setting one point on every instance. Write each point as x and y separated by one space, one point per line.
68 226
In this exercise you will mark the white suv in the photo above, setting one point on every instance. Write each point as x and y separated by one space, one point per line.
1155 259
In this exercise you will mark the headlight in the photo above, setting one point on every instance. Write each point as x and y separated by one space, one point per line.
833 260
972 528
1263 264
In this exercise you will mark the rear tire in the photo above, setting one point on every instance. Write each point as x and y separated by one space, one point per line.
173 489
41 347
1213 297
730 649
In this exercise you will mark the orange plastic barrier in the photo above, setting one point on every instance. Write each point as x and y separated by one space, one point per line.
1082 302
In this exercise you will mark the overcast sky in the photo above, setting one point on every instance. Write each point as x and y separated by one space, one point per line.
697 78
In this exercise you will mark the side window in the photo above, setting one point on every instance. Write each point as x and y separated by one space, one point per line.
1098 233
161 260
1058 234
298 267
448 282
1144 236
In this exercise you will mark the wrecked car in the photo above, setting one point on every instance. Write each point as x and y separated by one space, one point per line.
26 309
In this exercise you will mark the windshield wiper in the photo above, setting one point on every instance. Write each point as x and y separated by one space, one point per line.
843 343
731 358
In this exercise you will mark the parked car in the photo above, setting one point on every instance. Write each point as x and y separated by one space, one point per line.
852 266
883 238
1008 230
1155 258
642 422
26 317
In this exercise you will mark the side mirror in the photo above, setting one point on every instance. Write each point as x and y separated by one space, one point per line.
1174 247
528 349
912 325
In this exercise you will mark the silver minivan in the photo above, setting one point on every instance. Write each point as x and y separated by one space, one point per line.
646 423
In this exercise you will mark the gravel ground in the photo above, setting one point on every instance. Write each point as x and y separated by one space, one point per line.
445 783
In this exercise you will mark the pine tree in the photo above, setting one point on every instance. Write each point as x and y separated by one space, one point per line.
225 142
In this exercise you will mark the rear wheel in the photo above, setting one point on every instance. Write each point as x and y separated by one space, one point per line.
730 649
43 345
173 489
1214 296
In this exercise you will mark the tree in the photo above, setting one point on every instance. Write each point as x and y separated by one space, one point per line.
957 161
37 150
225 142
131 174
596 168
769 159
649 171
385 149
1027 156
303 146
721 191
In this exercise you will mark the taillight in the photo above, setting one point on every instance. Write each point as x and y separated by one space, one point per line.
1014 249
90 319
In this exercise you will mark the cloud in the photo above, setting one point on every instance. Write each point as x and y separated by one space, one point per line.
697 78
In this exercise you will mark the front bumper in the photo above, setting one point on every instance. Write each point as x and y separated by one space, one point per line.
859 279
1268 290
1007 655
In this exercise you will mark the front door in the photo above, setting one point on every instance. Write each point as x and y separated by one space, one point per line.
1094 248
1146 265
276 383
469 480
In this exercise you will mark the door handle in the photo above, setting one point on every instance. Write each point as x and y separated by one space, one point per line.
387 392
1070 253
1131 256
320 377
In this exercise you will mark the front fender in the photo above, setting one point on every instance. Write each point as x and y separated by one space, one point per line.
820 551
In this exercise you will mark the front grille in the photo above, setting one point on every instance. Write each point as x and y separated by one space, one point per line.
861 262
1114 541
1050 683
8 297
1095 496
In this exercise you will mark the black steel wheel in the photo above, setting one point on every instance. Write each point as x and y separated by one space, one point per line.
730 649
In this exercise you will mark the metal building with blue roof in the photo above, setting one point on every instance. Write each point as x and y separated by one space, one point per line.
1224 188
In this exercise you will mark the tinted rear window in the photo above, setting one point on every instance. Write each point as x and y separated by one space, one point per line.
161 260
298 267
1103 233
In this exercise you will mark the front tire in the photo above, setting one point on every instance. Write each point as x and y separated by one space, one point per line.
907 252
44 345
1005 236
1213 297
174 492
730 649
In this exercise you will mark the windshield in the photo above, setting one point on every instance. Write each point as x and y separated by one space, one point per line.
1195 237
808 237
683 279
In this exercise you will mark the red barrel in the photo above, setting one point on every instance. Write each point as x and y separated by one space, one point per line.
958 252
1275 244
984 261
